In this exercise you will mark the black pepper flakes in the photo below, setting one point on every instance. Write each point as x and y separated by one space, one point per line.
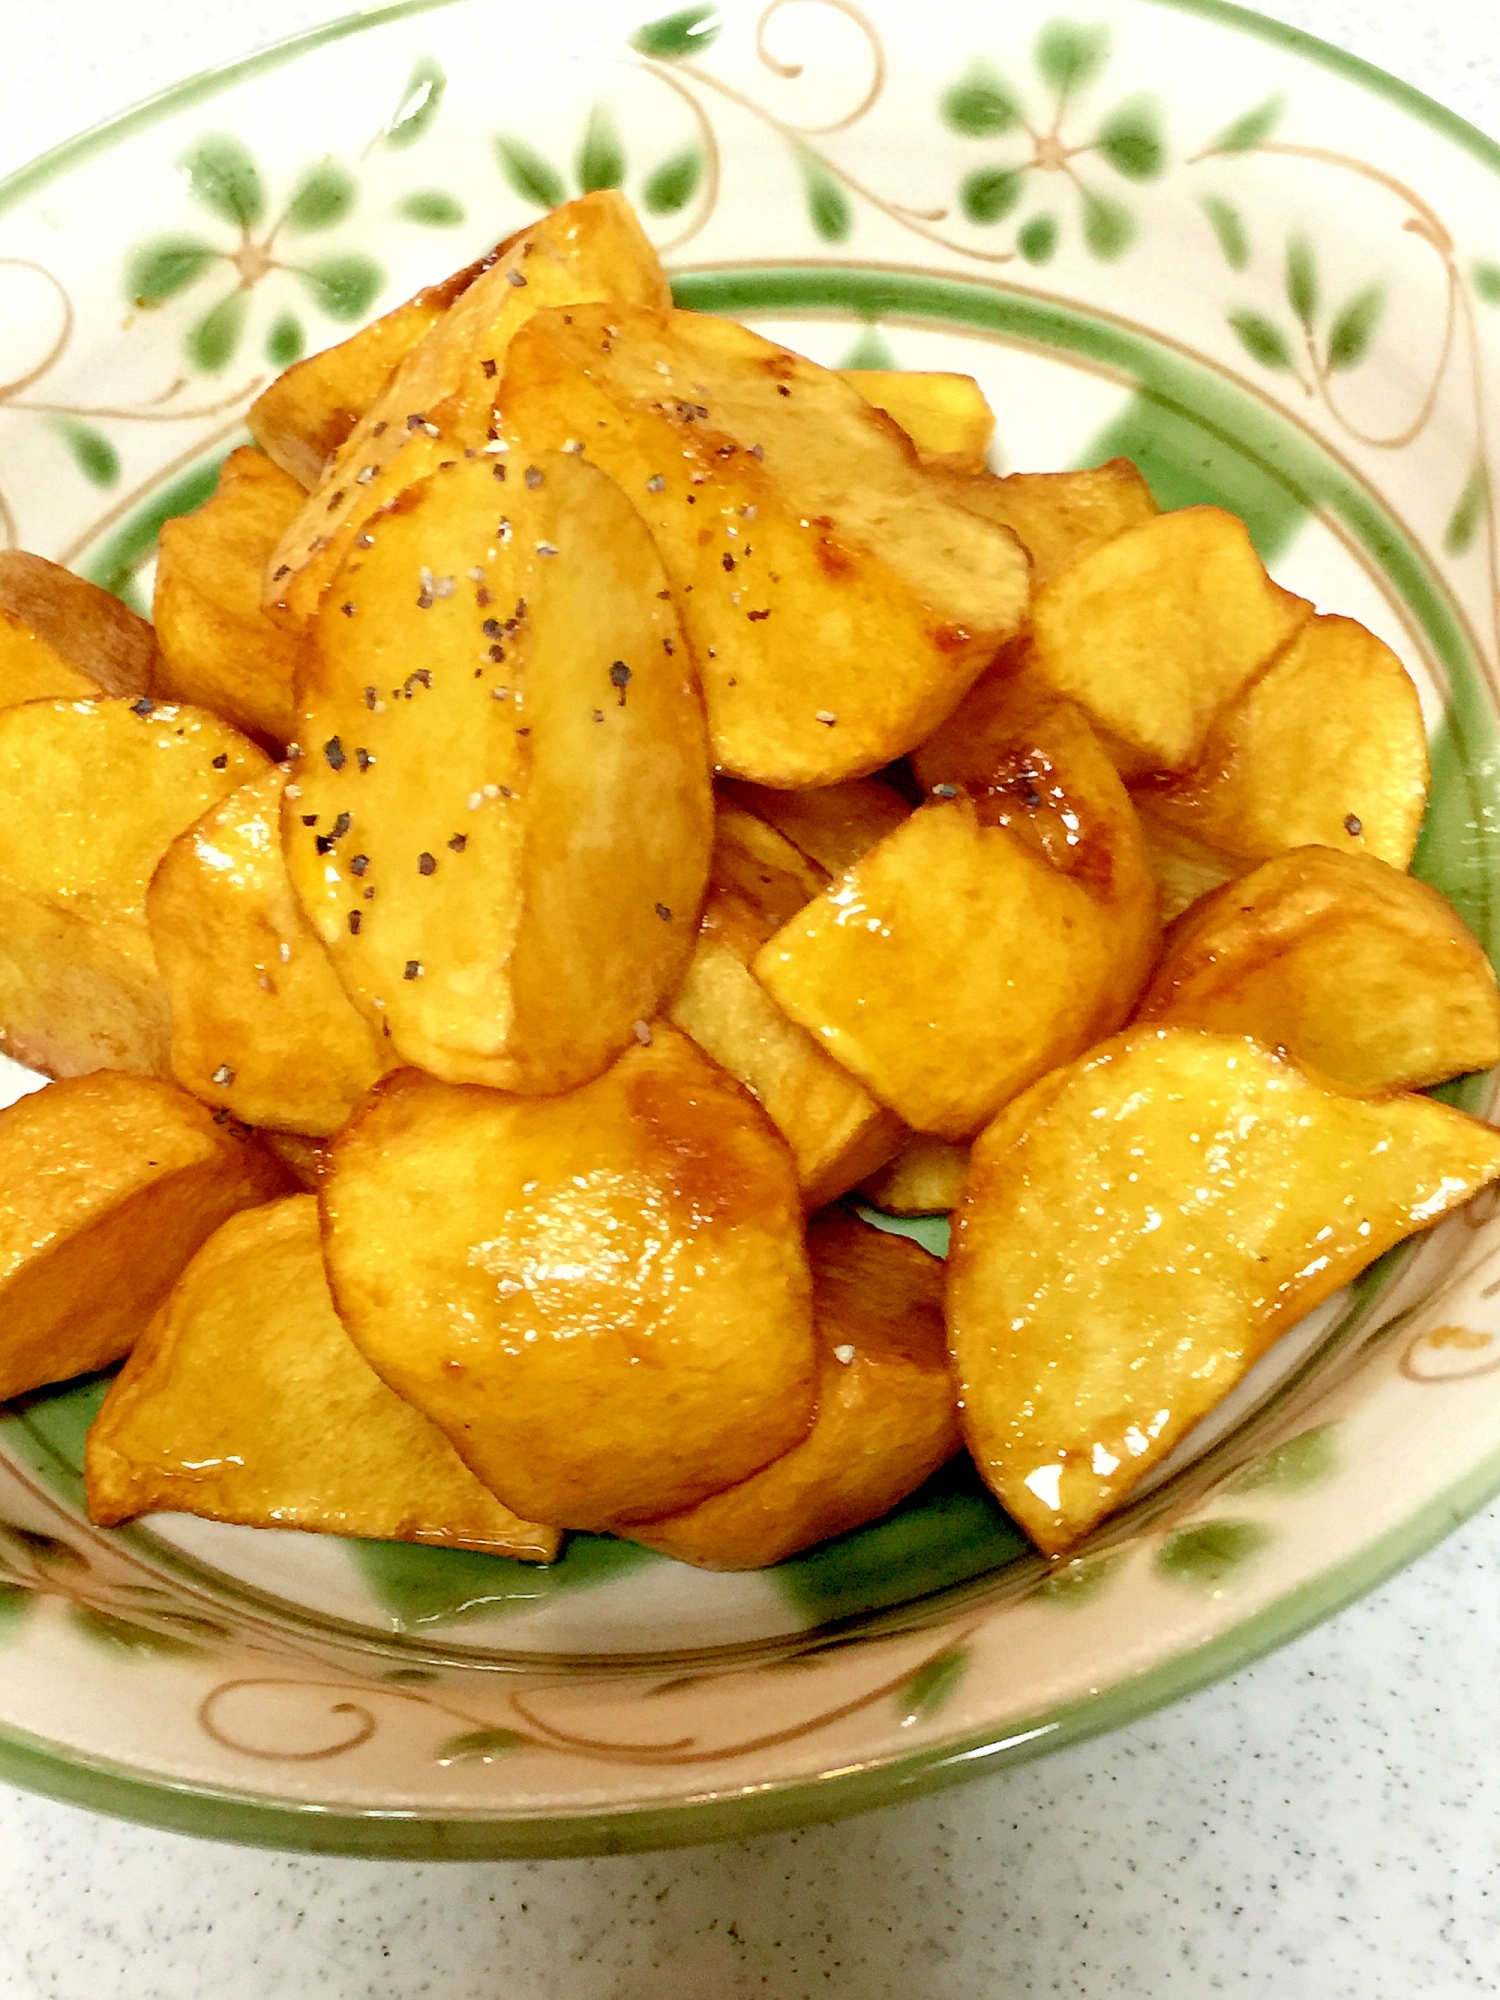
756 616
489 370
359 864
347 609
324 843
144 707
664 913
413 969
459 842
945 791
341 826
372 695
221 762
309 819
355 920
515 278
415 421
363 759
668 647
1353 825
333 750
619 675
534 476
427 864
726 561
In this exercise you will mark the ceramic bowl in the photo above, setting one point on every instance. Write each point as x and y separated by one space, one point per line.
1163 228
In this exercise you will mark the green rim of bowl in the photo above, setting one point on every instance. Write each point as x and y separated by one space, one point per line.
226 1814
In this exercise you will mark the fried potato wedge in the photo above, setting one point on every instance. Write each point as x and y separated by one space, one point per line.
94 793
757 881
887 1410
991 936
1157 629
63 637
110 1183
926 1178
838 604
246 1401
1327 747
1136 1234
945 416
1059 516
833 825
602 1299
311 407
505 811
218 647
438 402
1356 970
260 1022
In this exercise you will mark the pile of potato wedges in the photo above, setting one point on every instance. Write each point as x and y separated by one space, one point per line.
599 790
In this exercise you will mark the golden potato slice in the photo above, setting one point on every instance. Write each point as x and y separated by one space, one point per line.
833 825
438 403
838 604
945 416
1135 1237
246 1401
887 1414
311 407
94 792
1356 970
1182 868
1327 747
218 647
63 637
1059 516
992 935
602 1299
836 1130
108 1184
926 1178
1157 629
260 1022
504 811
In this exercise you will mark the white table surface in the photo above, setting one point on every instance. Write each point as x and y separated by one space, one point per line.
1326 1823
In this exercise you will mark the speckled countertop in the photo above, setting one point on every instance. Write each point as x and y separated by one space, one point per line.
1326 1824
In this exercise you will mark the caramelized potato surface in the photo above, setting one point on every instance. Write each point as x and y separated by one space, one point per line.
1157 629
1059 516
260 1023
63 637
246 1401
887 1416
108 1184
602 1299
1139 1229
94 793
837 602
218 647
1357 971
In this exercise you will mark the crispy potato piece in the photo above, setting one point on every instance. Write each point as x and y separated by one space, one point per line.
1326 747
260 1022
1135 1237
439 401
836 1130
304 1159
1357 971
926 1178
311 407
1156 629
988 938
1059 516
887 1415
602 1299
218 647
833 825
505 810
1182 868
246 1401
110 1184
62 636
94 792
838 604
945 416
